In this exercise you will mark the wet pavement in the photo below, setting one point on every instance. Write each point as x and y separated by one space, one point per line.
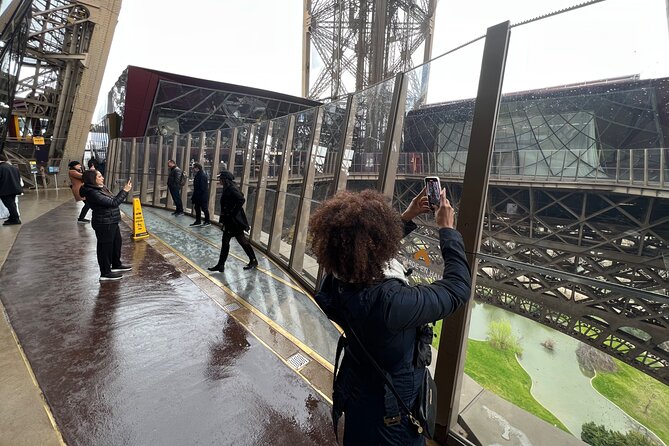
154 358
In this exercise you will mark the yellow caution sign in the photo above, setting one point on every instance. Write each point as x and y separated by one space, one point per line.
139 229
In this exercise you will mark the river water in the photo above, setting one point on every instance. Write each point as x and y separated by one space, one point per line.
557 381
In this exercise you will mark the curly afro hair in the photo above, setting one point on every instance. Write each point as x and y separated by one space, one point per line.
354 234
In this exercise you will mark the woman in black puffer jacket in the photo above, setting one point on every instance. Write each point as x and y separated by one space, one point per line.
106 216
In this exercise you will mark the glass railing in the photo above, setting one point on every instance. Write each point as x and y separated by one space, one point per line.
572 288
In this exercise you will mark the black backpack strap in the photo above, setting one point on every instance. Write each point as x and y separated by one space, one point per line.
389 421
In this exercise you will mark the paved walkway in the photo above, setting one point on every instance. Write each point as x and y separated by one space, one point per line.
165 356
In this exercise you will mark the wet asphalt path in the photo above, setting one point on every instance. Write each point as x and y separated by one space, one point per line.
148 360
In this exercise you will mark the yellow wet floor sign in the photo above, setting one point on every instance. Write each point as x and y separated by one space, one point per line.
138 227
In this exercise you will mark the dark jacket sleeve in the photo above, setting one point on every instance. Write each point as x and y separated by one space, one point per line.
98 198
412 306
237 200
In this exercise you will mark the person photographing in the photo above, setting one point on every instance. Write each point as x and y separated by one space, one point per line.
355 237
105 219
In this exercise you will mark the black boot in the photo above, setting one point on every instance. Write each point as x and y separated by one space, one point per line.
252 264
219 268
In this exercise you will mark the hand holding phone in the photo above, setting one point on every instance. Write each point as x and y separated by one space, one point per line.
433 191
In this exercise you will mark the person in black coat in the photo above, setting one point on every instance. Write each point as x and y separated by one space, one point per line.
174 186
233 222
105 219
355 237
10 187
200 195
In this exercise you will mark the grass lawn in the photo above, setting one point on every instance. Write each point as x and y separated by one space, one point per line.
632 391
485 364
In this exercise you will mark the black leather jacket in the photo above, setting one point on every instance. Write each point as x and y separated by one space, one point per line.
103 203
174 178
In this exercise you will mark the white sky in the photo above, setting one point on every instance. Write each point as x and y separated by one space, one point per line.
258 43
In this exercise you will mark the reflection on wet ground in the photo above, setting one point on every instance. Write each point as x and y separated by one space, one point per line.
281 300
150 359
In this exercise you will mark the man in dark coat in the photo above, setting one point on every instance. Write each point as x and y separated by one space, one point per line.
174 186
200 195
233 222
10 187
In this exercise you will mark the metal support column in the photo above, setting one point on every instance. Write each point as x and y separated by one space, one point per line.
256 223
158 178
451 358
133 169
184 188
215 167
343 161
144 188
246 168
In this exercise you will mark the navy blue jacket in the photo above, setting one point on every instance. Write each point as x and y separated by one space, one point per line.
200 188
103 203
385 317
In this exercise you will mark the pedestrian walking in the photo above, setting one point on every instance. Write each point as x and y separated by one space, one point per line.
200 197
233 222
106 216
10 188
76 174
174 183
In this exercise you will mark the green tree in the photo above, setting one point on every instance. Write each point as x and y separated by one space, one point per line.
502 338
598 435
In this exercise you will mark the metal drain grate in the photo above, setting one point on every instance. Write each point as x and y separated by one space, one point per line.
298 360
232 307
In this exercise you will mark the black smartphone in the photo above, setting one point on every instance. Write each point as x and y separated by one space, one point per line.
433 191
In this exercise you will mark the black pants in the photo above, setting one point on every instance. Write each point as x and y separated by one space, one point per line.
175 191
10 203
241 239
84 211
201 208
109 247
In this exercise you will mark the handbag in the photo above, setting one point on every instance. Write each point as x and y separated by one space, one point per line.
424 415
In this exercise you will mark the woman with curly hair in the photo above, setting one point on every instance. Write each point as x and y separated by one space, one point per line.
355 236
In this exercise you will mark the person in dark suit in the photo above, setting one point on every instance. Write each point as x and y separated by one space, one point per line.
106 216
233 222
200 195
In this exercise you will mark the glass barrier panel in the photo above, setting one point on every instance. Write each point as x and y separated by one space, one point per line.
243 134
369 132
137 175
333 132
165 172
299 151
572 269
224 162
153 162
209 152
274 157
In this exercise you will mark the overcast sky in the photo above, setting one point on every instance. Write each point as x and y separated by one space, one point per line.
258 43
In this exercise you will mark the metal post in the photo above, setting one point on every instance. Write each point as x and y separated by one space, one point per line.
256 223
233 150
281 190
158 179
246 169
617 165
304 209
393 137
452 353
645 167
133 168
341 173
144 188
631 163
213 181
184 188
662 161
